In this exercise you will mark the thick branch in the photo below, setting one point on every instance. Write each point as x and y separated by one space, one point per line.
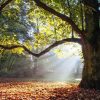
58 43
44 51
4 4
62 16
17 46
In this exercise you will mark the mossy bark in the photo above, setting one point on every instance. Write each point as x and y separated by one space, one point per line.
91 49
91 70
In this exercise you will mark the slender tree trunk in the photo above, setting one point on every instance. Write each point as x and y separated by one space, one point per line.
91 50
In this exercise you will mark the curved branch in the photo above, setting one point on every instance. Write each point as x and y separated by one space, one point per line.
18 46
59 43
5 4
62 16
44 51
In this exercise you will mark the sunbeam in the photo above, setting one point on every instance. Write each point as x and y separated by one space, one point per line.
65 65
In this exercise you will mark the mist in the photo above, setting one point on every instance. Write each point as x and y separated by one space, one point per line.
66 65
63 63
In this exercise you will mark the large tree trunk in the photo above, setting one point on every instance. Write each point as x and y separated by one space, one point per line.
91 50
91 70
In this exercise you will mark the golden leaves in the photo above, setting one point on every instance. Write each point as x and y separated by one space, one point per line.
12 89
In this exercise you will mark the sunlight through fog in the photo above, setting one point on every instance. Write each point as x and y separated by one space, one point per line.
61 64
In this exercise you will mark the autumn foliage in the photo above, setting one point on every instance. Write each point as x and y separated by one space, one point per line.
12 89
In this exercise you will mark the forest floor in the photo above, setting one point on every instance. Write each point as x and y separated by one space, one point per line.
10 89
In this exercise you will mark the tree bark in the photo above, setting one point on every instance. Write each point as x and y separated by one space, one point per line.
91 70
91 50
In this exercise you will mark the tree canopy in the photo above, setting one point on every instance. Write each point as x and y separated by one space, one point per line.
41 24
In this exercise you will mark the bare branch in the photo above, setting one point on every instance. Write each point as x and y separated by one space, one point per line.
62 16
5 4
44 51
17 46
59 43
